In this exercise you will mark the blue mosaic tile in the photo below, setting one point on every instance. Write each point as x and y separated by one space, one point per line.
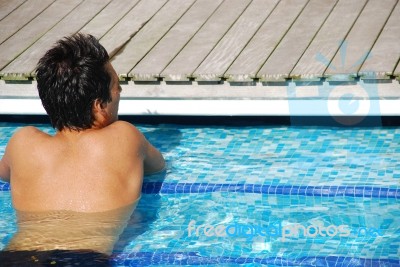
184 259
4 186
325 191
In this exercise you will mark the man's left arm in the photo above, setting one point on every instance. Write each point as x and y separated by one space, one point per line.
4 170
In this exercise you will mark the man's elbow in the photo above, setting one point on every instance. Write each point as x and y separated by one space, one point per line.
155 166
4 172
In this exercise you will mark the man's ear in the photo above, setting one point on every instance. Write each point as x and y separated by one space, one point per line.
99 109
98 105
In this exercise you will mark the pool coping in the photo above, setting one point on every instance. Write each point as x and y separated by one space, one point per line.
290 98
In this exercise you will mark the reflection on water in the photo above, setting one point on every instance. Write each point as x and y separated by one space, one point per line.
69 230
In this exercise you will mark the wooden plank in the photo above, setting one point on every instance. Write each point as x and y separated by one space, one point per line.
397 70
31 32
8 6
254 55
24 64
17 19
323 48
291 48
191 56
230 46
108 17
169 46
130 24
386 51
147 37
355 49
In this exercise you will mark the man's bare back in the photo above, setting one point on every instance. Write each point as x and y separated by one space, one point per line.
89 171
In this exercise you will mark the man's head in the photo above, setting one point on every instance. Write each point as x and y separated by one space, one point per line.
73 78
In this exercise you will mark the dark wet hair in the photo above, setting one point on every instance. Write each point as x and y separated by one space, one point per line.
70 77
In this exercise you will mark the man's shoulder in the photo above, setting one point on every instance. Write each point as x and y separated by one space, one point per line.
124 136
126 129
123 126
26 132
23 138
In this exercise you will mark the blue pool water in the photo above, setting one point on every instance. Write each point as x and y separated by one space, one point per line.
257 185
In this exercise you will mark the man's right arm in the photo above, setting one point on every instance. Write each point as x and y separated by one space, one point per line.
153 160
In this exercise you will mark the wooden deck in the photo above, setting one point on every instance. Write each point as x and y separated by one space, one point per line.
212 40
260 50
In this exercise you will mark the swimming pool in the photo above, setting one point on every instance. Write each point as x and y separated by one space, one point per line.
237 195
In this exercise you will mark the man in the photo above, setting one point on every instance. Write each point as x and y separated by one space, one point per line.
94 163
